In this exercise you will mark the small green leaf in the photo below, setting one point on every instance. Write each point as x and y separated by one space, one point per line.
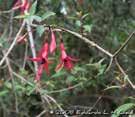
8 85
33 8
47 15
87 28
78 23
2 93
36 18
40 30
58 74
123 108
70 79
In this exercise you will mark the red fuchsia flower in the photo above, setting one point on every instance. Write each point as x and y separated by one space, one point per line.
24 5
53 42
43 61
65 60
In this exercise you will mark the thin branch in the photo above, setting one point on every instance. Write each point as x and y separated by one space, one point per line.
110 64
124 44
53 100
65 89
22 78
124 73
120 68
32 45
42 113
8 11
88 41
13 83
13 44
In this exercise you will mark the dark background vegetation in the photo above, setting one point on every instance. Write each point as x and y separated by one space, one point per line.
106 22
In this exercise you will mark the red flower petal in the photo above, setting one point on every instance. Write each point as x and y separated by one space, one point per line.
44 50
46 68
25 5
62 46
68 64
53 42
63 52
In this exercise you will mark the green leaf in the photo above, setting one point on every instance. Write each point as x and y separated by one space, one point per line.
8 85
40 30
47 15
37 18
34 17
87 28
123 108
30 89
58 74
78 23
33 8
70 79
2 93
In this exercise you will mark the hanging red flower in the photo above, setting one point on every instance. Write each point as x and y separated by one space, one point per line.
43 61
65 60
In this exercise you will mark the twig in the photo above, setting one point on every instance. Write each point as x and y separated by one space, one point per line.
8 11
120 68
32 45
53 100
110 64
42 113
13 44
13 83
88 41
65 89
124 73
22 78
124 44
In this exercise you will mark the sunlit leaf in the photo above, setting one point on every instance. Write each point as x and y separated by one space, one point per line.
4 92
33 8
47 15
88 28
123 108
40 30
